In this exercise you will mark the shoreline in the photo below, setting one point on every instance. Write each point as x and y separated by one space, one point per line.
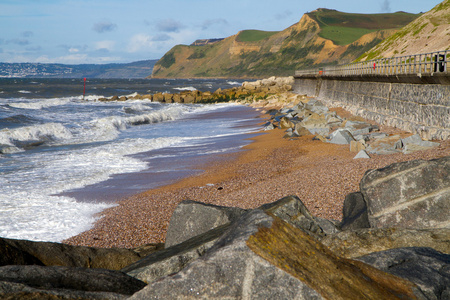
269 168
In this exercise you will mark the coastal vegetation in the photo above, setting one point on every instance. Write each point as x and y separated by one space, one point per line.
254 35
428 33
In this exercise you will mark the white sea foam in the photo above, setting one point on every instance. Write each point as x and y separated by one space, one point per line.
188 88
108 128
93 141
39 104
233 83
24 92
28 206
43 132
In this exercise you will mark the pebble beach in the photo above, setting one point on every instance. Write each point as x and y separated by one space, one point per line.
271 167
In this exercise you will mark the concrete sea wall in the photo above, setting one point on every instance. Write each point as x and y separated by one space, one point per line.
416 107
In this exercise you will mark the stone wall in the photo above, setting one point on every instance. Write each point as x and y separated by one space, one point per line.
418 108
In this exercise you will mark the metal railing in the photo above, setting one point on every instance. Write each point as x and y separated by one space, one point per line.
425 63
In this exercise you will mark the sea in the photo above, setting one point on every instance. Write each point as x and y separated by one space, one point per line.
64 157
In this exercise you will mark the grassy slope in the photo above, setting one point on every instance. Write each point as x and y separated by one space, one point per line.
254 35
321 37
346 28
415 37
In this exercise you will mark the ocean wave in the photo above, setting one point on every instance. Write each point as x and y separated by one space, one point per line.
36 105
35 210
188 88
136 108
233 83
18 139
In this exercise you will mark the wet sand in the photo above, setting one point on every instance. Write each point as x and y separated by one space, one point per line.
269 168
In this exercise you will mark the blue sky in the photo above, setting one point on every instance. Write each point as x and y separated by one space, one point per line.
117 31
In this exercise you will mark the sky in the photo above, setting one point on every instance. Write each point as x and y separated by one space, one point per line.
119 31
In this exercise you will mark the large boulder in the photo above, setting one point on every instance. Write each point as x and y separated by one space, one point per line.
415 143
354 243
179 255
192 218
78 279
412 194
23 252
173 259
426 267
383 145
263 257
19 291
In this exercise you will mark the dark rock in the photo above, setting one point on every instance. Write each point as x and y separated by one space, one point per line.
192 218
19 291
272 112
83 279
354 212
328 227
263 257
11 255
292 210
351 244
426 267
270 126
412 194
174 259
23 252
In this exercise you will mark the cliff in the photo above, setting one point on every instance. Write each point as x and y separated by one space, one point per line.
321 37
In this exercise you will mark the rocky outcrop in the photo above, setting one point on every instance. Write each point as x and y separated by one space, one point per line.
355 243
192 218
425 267
64 281
22 252
414 194
261 255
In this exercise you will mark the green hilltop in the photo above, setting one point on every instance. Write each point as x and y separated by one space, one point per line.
322 37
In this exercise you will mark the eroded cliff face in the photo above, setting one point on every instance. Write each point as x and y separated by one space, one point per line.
267 53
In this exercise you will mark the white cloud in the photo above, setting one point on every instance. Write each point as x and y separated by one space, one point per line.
108 45
139 42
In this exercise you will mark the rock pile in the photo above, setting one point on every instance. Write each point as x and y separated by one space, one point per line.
281 251
393 243
249 91
310 117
